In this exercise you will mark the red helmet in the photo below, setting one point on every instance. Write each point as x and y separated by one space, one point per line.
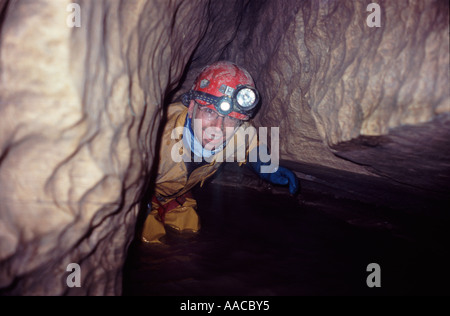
225 88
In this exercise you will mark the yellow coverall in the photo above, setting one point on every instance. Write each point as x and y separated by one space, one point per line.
173 181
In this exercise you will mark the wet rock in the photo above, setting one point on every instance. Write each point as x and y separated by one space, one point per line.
79 109
415 156
327 78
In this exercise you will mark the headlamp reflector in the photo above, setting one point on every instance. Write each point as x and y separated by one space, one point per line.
246 98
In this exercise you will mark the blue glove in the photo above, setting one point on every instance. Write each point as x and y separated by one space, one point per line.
282 176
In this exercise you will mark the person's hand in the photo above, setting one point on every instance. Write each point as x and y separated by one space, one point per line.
283 176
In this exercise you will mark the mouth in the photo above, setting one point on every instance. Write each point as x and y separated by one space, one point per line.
212 140
212 135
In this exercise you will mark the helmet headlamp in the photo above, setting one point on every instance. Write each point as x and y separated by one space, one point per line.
242 100
225 106
246 98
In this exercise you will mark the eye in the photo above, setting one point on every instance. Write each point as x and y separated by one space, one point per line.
231 121
210 113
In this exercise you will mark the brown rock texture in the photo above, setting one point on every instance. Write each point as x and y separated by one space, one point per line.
326 77
77 134
80 109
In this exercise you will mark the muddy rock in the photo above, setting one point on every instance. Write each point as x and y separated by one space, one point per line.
80 109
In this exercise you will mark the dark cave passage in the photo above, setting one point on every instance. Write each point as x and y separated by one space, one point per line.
260 241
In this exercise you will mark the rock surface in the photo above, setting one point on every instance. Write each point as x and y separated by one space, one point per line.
327 78
80 110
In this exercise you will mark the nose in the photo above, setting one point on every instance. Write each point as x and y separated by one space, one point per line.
219 122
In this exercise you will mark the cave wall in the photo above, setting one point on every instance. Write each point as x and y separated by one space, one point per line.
79 111
80 107
338 88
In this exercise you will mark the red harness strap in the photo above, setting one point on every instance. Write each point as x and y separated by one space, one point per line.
164 208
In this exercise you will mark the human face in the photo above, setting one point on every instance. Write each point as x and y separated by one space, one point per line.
213 126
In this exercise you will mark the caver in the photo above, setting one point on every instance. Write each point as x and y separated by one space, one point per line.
223 99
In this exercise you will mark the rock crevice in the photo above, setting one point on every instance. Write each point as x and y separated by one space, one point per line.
80 109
